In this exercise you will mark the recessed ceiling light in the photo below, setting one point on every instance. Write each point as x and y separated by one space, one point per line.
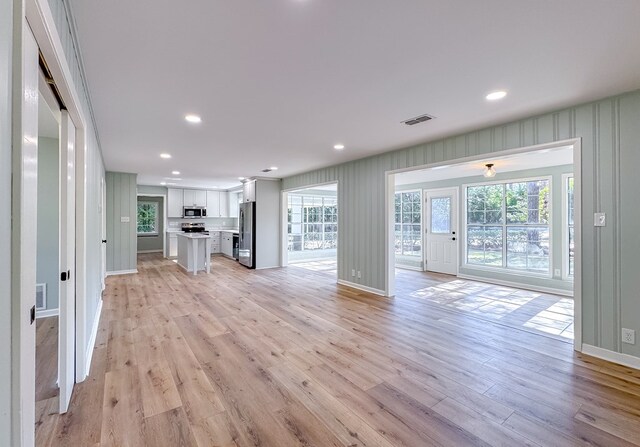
171 183
338 147
175 172
274 168
163 183
195 119
493 96
165 155
240 178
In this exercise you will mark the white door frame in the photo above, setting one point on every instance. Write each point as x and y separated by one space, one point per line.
42 23
23 233
165 220
425 226
575 143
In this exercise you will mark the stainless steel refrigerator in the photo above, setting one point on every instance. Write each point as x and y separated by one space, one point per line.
247 236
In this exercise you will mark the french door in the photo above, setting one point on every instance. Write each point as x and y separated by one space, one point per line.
441 230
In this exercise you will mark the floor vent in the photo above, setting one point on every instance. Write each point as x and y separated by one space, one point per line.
418 120
41 296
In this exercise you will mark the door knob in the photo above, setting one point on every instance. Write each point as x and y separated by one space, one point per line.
453 238
104 241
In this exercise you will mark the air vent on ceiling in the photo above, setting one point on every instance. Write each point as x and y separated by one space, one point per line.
418 120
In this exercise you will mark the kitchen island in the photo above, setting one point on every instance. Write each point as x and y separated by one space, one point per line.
194 252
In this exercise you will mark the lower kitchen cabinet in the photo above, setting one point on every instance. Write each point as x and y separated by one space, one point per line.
226 243
172 245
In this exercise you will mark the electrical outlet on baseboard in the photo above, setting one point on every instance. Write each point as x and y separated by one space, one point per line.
359 274
628 336
353 272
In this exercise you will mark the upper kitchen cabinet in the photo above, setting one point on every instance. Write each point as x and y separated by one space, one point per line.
217 204
224 204
235 199
195 197
175 202
213 203
249 191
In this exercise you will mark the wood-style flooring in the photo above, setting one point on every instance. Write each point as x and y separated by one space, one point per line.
286 357
47 390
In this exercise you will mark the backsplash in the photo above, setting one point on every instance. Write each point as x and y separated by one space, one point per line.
223 223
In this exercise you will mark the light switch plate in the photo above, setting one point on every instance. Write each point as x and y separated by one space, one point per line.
125 219
599 219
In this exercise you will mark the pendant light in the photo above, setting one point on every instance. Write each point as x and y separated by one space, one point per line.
489 170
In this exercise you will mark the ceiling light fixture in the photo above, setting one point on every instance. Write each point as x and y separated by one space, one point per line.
194 119
274 168
165 155
175 172
494 96
338 147
489 170
240 178
163 183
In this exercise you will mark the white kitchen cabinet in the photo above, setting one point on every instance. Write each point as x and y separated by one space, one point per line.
175 202
249 191
235 199
172 243
215 241
195 197
213 203
224 204
226 243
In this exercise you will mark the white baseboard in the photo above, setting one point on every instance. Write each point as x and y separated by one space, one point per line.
517 285
361 287
122 272
92 338
611 356
149 251
44 313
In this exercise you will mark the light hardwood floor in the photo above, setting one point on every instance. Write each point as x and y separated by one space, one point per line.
286 357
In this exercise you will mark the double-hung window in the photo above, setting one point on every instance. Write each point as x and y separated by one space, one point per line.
408 223
147 218
508 225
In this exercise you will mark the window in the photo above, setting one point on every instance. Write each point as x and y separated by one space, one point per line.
312 222
568 253
408 223
148 218
508 225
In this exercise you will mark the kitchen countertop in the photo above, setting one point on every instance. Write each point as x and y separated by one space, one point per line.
195 235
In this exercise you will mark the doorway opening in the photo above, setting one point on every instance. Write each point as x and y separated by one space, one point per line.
312 228
47 256
150 222
494 242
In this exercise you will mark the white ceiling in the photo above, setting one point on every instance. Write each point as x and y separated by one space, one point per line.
279 82
519 162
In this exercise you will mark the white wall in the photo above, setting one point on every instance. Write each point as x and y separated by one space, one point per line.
6 27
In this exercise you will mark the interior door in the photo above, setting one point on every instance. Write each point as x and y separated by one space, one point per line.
103 229
67 335
441 230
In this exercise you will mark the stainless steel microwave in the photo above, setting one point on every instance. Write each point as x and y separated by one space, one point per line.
194 212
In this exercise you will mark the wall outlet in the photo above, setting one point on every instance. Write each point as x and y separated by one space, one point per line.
599 219
353 272
628 336
124 219
557 272
359 274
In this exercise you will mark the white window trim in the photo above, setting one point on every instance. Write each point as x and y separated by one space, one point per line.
422 238
565 226
157 205
501 269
